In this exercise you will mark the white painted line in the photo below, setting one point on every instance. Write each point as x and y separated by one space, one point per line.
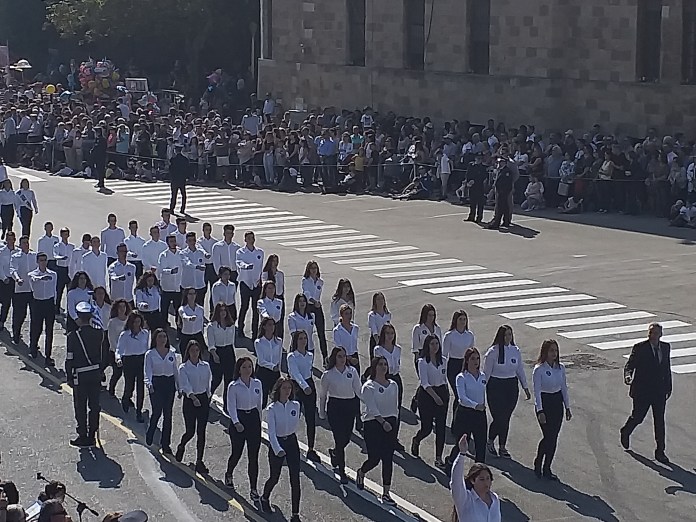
480 286
290 224
535 301
511 293
209 210
676 353
451 279
163 196
593 319
351 246
403 248
345 237
562 310
140 188
222 214
311 232
430 271
417 255
392 266
628 343
29 177
217 201
684 368
448 215
615 330
252 220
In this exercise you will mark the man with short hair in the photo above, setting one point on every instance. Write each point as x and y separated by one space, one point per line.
152 250
122 277
21 263
179 172
43 307
169 269
249 262
111 237
193 272
134 243
7 283
62 253
95 263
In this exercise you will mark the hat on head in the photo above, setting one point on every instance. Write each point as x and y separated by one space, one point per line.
134 516
569 132
84 307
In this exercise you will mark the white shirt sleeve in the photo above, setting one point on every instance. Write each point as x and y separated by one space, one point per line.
536 383
423 373
232 405
272 436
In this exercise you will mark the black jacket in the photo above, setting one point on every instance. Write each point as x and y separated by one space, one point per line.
478 173
650 378
87 362
179 169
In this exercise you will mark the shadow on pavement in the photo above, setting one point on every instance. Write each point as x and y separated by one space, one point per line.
96 466
511 513
685 479
417 468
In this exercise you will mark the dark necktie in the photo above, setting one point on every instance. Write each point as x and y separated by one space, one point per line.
658 355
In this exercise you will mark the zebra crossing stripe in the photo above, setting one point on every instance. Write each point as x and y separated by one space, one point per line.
345 236
628 343
410 264
350 246
593 319
479 286
684 368
397 257
449 279
676 353
562 310
535 301
310 232
274 226
615 330
333 255
512 293
430 271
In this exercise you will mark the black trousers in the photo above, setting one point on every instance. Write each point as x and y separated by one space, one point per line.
7 217
309 405
162 402
43 314
134 377
251 436
166 299
224 370
320 323
138 269
249 296
503 210
116 372
372 346
641 405
153 320
196 422
552 406
468 421
341 414
502 395
210 278
454 368
477 200
279 327
430 413
268 378
63 283
86 394
185 338
10 151
175 189
6 294
380 448
20 305
400 386
292 459
25 217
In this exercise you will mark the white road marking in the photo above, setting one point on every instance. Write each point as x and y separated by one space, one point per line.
417 255
234 210
350 246
615 330
593 319
684 368
14 173
512 293
275 226
222 214
562 310
217 201
450 279
448 215
167 197
310 232
252 221
392 266
628 343
478 286
536 301
676 353
402 248
321 241
430 271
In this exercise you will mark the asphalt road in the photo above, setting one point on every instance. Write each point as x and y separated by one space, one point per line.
593 282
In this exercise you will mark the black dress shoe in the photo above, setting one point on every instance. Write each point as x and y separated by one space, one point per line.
139 417
202 468
661 457
537 467
80 442
50 363
125 404
415 449
166 450
265 505
548 475
625 440
179 453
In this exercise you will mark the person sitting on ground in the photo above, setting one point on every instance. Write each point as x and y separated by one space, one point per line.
686 216
461 192
65 172
674 210
573 205
534 194
85 171
419 188
15 513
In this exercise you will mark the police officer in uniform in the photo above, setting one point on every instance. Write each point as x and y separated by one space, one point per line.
504 183
85 360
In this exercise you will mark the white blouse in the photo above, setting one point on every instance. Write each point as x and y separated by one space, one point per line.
549 379
272 308
302 323
376 321
191 319
512 365
279 281
312 288
379 400
219 336
393 358
456 343
467 503
269 352
345 339
420 332
430 375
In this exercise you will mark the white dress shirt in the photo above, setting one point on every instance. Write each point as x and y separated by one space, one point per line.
156 365
135 246
76 260
335 309
148 299
225 254
282 420
219 336
5 256
110 239
456 343
339 385
419 333
312 288
249 265
195 379
223 293
62 253
345 339
192 276
244 398
170 268
300 367
121 289
471 390
549 379
165 227
304 323
272 308
180 239
46 244
75 296
113 330
379 401
95 266
27 198
41 289
206 244
150 254
268 352
376 321
191 319
431 376
393 358
467 503
20 266
279 281
129 344
513 366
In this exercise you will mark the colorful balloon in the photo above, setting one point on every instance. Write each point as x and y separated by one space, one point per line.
50 88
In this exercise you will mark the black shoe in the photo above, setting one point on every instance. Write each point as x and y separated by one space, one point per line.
201 468
229 480
343 477
265 505
388 500
470 218
537 467
550 476
295 518
492 226
111 392
139 417
16 339
313 456
625 439
415 450
179 453
80 442
661 457
332 456
360 480
32 353
399 447
166 450
125 404
50 363
254 496
414 404
91 440
148 438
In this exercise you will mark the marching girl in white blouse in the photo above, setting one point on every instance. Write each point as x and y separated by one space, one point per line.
346 334
427 325
162 381
312 286
194 383
221 336
300 366
80 290
191 320
283 418
504 370
244 405
270 306
116 324
271 273
131 347
456 341
224 290
387 348
101 299
301 319
550 397
473 499
343 295
147 300
269 352
377 317
433 397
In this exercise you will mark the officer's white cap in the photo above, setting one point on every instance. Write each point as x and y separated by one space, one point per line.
84 307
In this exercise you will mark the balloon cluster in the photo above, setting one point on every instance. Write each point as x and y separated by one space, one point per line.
98 78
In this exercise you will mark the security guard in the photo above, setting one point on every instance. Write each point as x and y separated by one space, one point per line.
85 361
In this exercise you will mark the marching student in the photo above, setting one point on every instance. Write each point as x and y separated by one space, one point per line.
7 282
344 294
194 383
147 300
339 399
387 348
269 351
62 254
22 262
80 290
283 417
244 405
205 243
165 225
301 319
8 202
221 335
162 381
75 264
26 206
380 415
271 273
152 249
46 244
550 397
225 252
433 397
111 237
504 370
193 271
116 324
191 320
95 263
427 325
131 347
122 276
180 232
102 305
377 317
456 341
135 245
224 290
312 285
473 499
270 306
300 366
346 334
169 269
249 264
43 307
470 414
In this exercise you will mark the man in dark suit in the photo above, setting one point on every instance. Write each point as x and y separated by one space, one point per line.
179 171
649 375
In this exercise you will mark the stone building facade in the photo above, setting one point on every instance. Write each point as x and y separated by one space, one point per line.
557 64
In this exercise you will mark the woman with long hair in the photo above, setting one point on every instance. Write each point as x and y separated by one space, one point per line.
391 351
380 415
224 290
456 341
191 317
8 201
269 352
244 405
147 300
339 399
162 381
300 366
271 273
131 347
346 334
26 206
115 326
471 493
344 294
80 290
102 301
221 337
301 319
504 371
433 397
270 306
377 317
550 397
312 286
195 378
427 325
